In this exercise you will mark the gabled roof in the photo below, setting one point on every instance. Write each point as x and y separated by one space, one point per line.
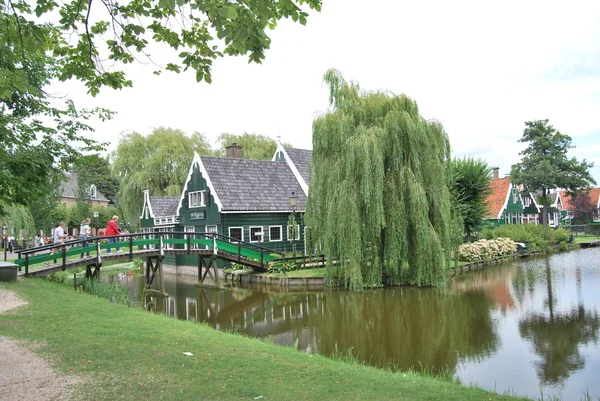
68 188
594 197
251 185
164 205
299 162
301 159
496 200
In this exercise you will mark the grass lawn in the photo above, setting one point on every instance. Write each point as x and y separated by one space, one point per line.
129 354
585 238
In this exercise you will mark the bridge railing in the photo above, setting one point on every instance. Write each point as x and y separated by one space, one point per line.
144 240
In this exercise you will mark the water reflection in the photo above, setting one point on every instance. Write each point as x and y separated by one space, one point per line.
521 327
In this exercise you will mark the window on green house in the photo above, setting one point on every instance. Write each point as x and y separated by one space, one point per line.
236 233
256 234
212 229
291 230
197 199
275 233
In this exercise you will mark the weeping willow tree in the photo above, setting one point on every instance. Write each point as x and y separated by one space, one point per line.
379 201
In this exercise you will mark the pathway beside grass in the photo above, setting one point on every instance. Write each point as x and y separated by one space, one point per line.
127 353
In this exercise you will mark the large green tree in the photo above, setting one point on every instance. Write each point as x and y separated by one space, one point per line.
35 130
92 40
256 146
545 165
95 170
158 162
471 181
379 200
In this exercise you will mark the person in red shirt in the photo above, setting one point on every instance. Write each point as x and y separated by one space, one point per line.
112 230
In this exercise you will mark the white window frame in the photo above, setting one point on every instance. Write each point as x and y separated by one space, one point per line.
194 196
527 201
280 234
148 230
235 228
190 229
297 232
93 192
168 236
208 229
261 235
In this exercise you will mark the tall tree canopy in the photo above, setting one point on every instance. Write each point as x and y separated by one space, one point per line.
158 162
544 164
34 129
584 209
379 199
256 146
96 170
91 41
471 187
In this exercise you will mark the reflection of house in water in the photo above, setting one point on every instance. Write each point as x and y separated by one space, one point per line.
494 282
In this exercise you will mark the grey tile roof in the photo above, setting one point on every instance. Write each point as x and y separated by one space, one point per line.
301 158
253 185
68 188
164 205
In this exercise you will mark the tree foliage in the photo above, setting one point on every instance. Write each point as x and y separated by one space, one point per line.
92 41
95 170
584 210
379 200
471 179
34 128
256 146
544 164
158 162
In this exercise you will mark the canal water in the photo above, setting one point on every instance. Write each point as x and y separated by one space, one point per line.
528 327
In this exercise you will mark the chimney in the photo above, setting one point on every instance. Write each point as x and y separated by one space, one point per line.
496 172
234 151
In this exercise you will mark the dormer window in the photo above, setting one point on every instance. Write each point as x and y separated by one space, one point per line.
197 199
92 192
515 194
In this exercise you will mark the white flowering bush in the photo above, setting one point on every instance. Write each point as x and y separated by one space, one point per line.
486 249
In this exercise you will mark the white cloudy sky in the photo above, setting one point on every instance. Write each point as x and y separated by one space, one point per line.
481 68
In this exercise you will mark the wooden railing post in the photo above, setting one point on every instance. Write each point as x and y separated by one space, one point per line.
27 265
130 247
64 258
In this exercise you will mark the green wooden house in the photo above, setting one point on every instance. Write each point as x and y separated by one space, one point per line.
245 200
508 204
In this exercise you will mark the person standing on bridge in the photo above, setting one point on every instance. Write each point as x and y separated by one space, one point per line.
112 230
84 233
59 236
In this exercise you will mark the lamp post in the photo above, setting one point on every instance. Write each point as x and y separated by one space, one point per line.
96 214
293 204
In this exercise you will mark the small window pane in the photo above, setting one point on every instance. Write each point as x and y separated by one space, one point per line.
236 233
256 234
275 233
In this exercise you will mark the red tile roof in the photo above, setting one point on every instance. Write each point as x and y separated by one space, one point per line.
499 188
566 199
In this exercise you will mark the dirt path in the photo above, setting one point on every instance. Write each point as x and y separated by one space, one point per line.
24 376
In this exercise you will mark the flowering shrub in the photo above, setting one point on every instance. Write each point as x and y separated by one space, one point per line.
486 249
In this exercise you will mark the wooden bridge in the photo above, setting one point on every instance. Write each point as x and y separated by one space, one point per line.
153 247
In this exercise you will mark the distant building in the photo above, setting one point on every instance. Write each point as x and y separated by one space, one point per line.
568 211
69 191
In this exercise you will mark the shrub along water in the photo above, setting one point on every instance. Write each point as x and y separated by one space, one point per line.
538 238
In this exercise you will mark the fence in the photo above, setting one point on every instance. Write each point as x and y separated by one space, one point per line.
584 229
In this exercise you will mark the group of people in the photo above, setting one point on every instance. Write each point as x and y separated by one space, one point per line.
8 243
85 231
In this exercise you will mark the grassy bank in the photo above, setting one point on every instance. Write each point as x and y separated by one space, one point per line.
126 353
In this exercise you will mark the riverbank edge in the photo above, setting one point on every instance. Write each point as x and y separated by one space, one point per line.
115 361
235 277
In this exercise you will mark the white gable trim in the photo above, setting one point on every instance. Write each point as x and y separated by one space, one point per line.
508 193
147 203
292 166
204 173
